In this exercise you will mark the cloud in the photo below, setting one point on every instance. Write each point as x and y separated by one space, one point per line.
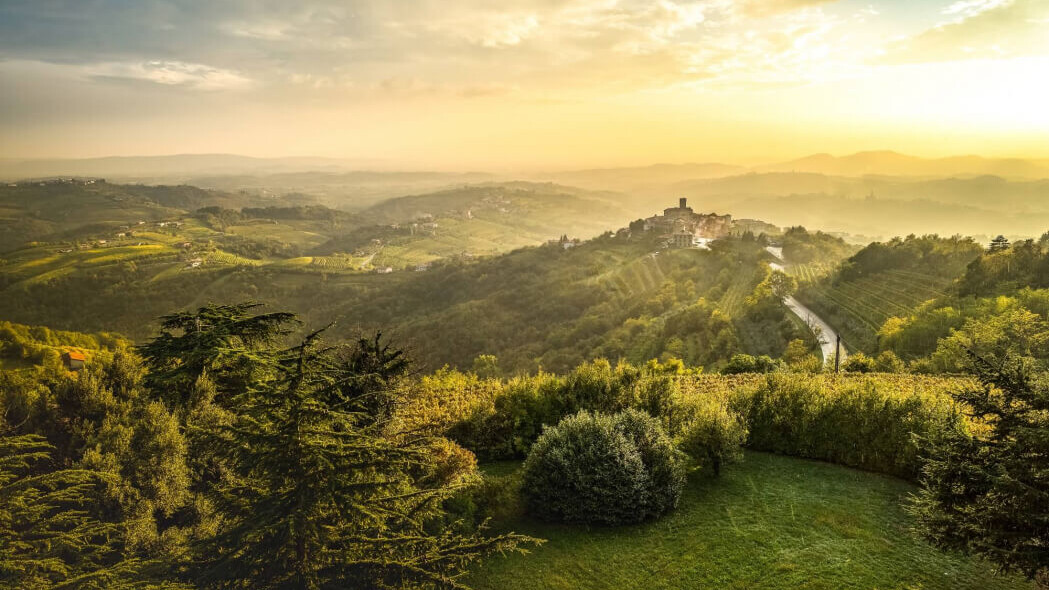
170 73
979 29
769 7
970 8
338 50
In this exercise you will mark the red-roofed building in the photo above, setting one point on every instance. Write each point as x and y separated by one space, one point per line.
73 360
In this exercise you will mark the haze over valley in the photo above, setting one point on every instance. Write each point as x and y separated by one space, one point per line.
463 295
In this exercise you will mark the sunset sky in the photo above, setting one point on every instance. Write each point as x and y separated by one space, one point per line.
524 83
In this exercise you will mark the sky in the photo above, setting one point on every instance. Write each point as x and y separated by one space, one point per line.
485 84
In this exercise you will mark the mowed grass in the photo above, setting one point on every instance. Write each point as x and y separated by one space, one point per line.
771 522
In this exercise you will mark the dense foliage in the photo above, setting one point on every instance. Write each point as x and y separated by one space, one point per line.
867 423
801 246
989 494
603 469
860 420
47 540
230 460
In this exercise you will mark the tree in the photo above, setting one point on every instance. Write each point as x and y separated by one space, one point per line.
486 366
998 244
745 363
46 539
230 342
325 490
987 493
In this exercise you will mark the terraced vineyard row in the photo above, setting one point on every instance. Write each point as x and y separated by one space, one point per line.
807 273
637 278
859 308
732 301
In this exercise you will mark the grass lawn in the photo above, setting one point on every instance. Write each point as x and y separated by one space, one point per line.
770 522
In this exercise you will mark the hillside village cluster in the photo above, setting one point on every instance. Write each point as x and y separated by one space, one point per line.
681 227
677 227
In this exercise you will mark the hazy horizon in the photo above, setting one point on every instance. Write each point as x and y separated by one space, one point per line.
531 84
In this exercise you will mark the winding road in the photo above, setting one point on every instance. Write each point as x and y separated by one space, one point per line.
824 333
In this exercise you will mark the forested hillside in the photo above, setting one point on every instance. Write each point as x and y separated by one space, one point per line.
540 307
885 280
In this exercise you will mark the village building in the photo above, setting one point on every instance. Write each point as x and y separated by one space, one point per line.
681 227
73 360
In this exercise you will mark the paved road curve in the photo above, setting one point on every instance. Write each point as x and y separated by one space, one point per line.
824 333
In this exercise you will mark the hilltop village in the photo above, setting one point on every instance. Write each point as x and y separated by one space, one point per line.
681 227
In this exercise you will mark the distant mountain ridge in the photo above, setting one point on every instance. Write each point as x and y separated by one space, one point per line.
889 163
196 167
167 166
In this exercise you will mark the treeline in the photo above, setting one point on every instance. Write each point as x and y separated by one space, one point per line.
865 421
801 246
219 218
928 254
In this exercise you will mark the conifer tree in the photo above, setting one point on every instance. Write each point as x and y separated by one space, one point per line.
988 493
232 343
324 489
998 244
47 539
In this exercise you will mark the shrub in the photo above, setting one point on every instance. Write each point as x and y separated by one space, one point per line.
489 497
601 469
745 363
713 435
859 363
888 362
868 422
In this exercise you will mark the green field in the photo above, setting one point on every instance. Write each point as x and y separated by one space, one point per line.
771 522
857 309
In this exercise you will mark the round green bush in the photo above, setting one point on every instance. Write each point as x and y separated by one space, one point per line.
602 469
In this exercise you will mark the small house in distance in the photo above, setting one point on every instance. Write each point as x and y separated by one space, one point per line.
73 360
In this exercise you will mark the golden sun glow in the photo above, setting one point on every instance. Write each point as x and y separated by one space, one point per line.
586 82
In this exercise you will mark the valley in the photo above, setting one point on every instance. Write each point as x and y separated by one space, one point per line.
525 306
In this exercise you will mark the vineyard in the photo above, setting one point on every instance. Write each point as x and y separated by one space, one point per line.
636 278
859 308
809 272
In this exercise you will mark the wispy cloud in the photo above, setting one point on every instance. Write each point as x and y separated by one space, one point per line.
170 73
979 29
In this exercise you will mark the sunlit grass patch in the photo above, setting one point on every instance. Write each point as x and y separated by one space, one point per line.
771 522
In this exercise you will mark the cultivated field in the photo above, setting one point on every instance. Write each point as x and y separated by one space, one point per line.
859 308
